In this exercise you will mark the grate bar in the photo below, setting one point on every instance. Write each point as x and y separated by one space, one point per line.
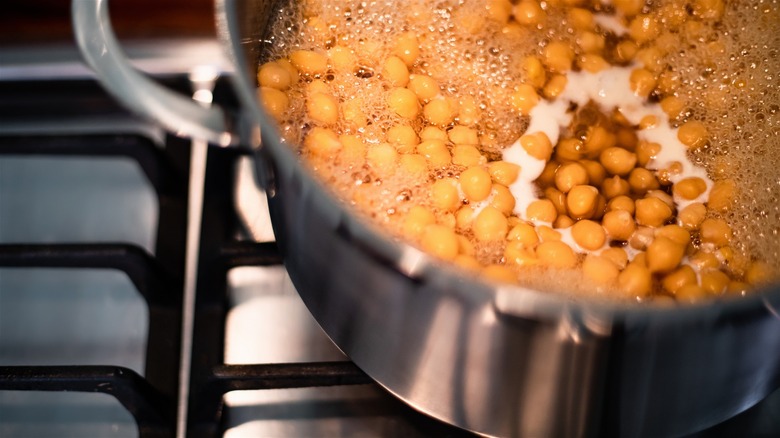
289 375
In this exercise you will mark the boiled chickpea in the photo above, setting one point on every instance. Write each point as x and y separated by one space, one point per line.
275 102
682 276
534 71
439 112
619 224
596 172
273 75
353 149
499 10
322 142
621 203
642 82
542 210
689 188
413 164
524 233
396 72
528 12
556 254
475 183
404 138
715 231
403 102
524 99
435 152
758 273
722 195
353 115
600 269
469 263
652 212
490 225
693 134
433 133
714 282
309 62
558 56
709 10
440 241
537 145
444 194
570 175
675 233
469 112
691 293
416 221
591 42
407 48
588 234
503 172
642 180
563 221
464 217
547 178
423 86
557 197
467 156
705 260
629 8
569 149
517 253
673 106
502 199
582 201
290 68
617 256
322 108
646 152
462 135
615 186
555 86
499 273
664 255
382 158
636 280
342 59
548 234
618 161
644 28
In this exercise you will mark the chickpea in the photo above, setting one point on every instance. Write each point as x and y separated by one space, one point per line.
534 71
503 172
589 235
619 224
322 108
291 70
635 280
555 86
689 188
580 19
309 62
556 254
396 72
463 136
591 42
342 59
433 133
596 172
537 145
642 82
705 260
413 164
435 152
444 194
490 225
623 203
663 196
646 152
615 186
643 28
569 149
465 246
715 231
467 156
626 51
469 113
475 183
403 102
563 221
275 102
273 75
524 233
382 158
600 269
464 217
502 199
558 199
353 115
423 86
664 255
722 195
758 273
675 233
582 201
318 86
617 256
691 293
407 48
519 254
682 276
528 12
642 180
570 175
673 106
629 8
322 142
524 99
466 262
693 134
439 112
652 212
709 10
499 273
558 56
618 161
416 221
598 139
542 210
714 282
404 138
353 149
440 241
651 58
547 178
499 10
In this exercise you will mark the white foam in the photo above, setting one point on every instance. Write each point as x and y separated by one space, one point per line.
610 23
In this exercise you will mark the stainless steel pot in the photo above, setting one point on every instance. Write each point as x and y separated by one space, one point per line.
499 360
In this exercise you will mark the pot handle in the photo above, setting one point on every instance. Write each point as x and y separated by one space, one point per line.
177 113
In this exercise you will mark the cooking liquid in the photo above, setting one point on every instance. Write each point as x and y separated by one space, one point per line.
726 72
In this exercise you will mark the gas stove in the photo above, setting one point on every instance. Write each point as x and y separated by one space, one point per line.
98 326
